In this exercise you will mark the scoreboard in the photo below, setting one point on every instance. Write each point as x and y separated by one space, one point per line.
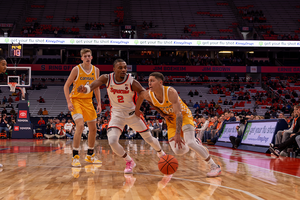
15 50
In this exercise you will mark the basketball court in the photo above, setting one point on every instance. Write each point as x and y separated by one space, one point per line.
41 169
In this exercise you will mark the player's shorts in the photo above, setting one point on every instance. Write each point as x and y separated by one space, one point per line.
83 108
119 119
172 125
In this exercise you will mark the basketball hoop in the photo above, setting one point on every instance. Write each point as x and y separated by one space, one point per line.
12 86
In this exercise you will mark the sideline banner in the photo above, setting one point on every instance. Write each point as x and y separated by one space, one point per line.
148 42
280 69
60 67
178 68
228 130
259 133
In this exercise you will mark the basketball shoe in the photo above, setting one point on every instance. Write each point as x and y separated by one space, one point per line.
92 159
215 170
276 152
129 167
75 161
161 154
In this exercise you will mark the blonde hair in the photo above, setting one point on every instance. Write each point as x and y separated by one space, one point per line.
83 51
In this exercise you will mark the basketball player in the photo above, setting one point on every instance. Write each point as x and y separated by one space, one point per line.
122 89
167 99
81 105
3 66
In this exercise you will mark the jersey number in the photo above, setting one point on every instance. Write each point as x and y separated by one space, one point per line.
120 99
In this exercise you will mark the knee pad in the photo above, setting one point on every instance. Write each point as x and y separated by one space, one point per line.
113 135
147 136
188 128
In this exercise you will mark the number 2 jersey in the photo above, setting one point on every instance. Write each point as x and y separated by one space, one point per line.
121 95
167 108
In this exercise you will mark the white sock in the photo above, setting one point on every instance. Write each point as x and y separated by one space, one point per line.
128 158
211 162
76 149
161 153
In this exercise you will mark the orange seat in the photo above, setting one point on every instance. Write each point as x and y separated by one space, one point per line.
37 135
3 135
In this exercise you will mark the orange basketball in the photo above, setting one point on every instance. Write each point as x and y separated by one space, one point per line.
168 164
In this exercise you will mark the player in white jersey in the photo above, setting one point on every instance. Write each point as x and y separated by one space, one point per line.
122 90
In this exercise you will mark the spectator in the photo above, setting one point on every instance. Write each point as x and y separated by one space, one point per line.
196 105
40 112
61 133
50 132
4 111
45 112
190 103
200 132
230 102
240 130
225 102
61 115
68 115
41 122
10 100
12 111
156 129
104 129
130 133
41 100
9 105
3 124
196 93
4 100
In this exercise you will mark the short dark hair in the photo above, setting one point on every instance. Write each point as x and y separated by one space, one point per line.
158 75
117 61
1 58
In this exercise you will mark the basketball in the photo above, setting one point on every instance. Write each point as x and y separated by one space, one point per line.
168 164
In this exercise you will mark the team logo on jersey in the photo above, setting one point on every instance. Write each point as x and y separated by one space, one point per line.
126 88
87 78
93 74
114 91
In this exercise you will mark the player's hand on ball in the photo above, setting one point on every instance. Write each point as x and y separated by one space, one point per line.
178 140
81 89
70 107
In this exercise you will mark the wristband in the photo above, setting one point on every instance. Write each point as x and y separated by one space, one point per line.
88 89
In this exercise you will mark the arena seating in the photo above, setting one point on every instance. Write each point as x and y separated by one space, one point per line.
281 16
89 11
171 17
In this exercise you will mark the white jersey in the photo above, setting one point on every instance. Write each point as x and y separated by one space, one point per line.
121 95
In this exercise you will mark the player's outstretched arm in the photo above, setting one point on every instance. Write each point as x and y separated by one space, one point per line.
67 85
97 83
98 94
174 99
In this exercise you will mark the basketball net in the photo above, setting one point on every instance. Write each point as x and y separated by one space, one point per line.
12 86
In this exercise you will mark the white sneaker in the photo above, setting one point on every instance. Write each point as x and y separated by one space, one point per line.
214 171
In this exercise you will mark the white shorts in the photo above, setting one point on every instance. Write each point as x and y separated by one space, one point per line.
119 119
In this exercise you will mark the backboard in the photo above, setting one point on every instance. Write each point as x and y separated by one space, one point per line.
20 75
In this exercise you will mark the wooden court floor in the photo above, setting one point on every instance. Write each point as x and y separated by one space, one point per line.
41 169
